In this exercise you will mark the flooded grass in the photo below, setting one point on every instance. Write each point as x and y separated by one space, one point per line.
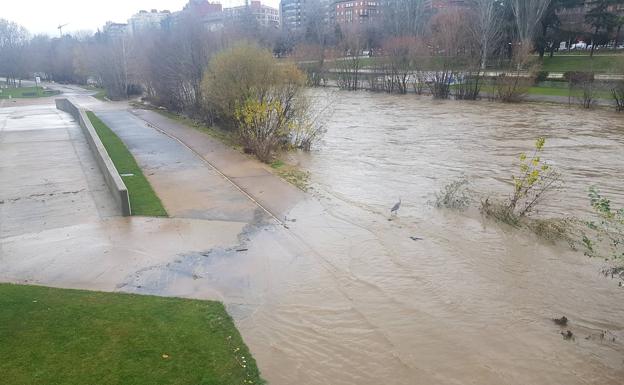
73 337
291 174
143 199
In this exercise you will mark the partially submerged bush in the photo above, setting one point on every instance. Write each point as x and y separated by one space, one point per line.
617 92
582 83
454 195
535 181
513 85
246 90
605 235
555 229
541 76
469 86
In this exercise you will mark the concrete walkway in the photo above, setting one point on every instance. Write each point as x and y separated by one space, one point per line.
187 186
48 175
253 177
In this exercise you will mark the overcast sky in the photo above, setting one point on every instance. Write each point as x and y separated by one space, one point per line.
43 16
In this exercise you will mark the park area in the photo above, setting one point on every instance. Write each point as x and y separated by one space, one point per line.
71 337
26 92
366 193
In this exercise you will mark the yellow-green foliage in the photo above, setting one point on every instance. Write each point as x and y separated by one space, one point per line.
247 90
605 237
242 72
536 178
262 124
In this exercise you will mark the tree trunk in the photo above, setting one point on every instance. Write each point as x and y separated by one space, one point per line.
591 54
617 35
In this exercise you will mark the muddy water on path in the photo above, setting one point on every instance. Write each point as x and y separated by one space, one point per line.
346 297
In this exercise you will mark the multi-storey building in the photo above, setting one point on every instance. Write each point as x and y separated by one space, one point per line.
265 15
210 14
292 14
201 8
439 4
115 30
144 20
357 12
573 19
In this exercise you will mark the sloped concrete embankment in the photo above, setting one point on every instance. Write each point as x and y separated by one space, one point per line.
112 177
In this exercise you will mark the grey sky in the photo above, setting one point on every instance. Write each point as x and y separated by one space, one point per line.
43 16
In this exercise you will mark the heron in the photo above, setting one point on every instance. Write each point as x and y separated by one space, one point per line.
396 207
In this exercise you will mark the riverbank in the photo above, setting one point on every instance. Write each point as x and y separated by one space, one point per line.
337 293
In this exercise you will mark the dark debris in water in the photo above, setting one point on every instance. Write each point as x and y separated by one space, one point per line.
567 335
563 321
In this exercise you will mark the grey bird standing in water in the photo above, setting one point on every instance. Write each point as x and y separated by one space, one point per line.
396 207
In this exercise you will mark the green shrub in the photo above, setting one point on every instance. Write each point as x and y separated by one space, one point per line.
541 76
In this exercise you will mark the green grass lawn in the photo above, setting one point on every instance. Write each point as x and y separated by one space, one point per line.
559 63
71 337
563 63
143 199
26 92
562 89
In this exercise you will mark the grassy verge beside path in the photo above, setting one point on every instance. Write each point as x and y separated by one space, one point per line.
100 93
26 92
143 199
73 337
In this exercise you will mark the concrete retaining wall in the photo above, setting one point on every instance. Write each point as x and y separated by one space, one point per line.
112 177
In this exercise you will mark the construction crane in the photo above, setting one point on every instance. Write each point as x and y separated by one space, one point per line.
60 28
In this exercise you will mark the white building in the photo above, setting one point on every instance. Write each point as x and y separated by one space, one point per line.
265 15
145 20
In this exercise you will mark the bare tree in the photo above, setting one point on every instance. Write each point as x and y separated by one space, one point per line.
405 17
349 64
404 58
451 50
528 15
13 41
487 27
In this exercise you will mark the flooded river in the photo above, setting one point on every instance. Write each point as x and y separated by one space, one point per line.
347 297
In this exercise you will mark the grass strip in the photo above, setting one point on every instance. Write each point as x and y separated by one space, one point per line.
72 337
26 92
143 199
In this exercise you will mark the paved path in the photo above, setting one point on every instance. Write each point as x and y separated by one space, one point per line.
59 225
48 175
253 177
187 186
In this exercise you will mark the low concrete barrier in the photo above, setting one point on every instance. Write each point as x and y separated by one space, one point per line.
112 177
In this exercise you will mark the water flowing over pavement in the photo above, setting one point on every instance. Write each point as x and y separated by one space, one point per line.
342 295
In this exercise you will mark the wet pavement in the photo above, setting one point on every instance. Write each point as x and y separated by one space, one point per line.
48 175
342 295
187 186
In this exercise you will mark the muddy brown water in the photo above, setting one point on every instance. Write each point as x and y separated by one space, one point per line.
346 297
